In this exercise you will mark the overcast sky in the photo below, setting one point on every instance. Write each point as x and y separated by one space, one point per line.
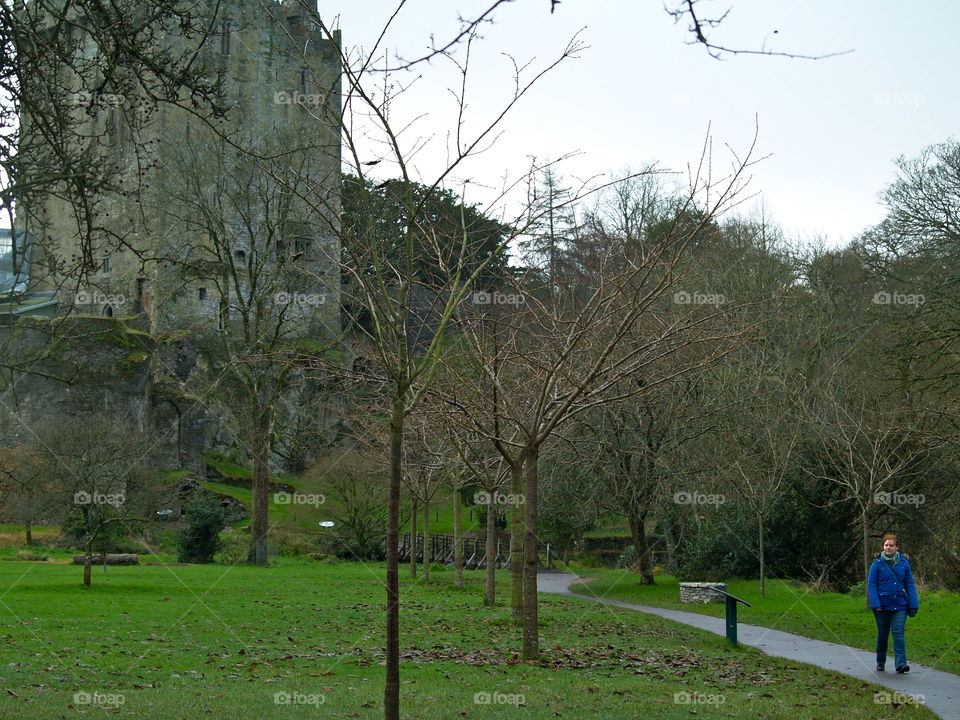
640 93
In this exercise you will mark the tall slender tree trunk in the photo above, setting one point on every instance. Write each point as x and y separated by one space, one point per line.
391 689
414 507
28 531
670 541
491 595
458 538
763 565
531 620
865 531
87 561
261 486
638 530
426 537
516 544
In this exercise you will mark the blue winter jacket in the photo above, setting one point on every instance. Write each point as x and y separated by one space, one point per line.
884 591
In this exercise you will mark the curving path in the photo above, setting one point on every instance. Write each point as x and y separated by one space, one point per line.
940 690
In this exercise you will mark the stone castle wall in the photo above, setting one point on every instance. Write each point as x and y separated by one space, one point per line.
131 316
282 87
75 367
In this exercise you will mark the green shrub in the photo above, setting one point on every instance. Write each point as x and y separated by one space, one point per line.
235 549
856 590
199 541
590 560
628 558
156 538
295 546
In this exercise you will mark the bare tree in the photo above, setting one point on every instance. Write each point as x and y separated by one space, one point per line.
558 356
630 444
424 476
389 288
702 27
26 494
764 458
262 302
913 256
388 285
102 479
488 470
570 496
358 508
458 476
871 452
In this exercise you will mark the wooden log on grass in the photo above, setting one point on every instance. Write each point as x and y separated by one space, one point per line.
109 559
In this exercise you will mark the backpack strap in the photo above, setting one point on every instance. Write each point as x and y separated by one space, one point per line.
895 578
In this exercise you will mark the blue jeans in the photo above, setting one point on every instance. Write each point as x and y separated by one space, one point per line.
891 621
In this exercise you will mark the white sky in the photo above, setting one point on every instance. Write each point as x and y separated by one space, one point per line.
640 93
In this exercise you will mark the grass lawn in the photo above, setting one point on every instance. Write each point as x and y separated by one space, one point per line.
304 517
12 536
932 637
304 640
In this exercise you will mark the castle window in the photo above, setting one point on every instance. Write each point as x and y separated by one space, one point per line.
202 294
240 255
107 311
118 132
301 247
303 79
226 28
105 265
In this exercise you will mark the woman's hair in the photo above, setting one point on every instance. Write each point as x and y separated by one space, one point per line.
890 536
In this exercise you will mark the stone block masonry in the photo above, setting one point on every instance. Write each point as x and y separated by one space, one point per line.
701 592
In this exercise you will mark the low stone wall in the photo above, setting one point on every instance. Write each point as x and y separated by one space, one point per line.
701 592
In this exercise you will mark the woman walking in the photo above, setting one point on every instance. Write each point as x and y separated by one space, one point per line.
893 597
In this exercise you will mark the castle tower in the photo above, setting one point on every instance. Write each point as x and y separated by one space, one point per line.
201 220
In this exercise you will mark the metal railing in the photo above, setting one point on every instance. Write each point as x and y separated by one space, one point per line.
731 601
440 549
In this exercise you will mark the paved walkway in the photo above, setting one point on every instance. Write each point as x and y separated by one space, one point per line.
940 690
